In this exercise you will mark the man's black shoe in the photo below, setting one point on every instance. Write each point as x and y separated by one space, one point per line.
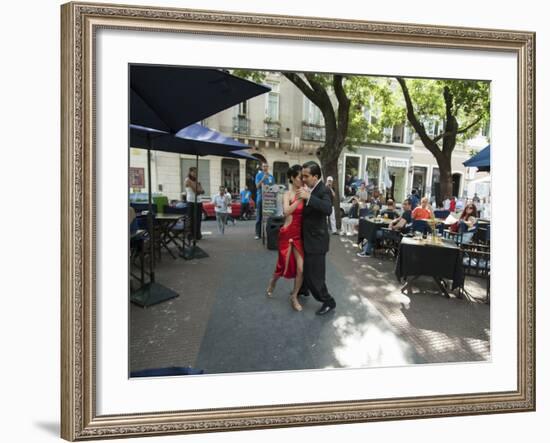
325 308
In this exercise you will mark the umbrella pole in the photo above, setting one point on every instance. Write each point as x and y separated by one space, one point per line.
196 206
151 293
150 215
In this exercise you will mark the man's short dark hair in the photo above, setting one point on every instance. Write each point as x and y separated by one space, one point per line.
314 168
413 192
408 201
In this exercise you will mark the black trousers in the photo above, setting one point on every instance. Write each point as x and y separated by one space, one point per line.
245 209
195 212
314 278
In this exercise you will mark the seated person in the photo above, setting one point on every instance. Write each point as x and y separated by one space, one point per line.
422 212
397 224
352 220
400 223
362 194
390 211
467 220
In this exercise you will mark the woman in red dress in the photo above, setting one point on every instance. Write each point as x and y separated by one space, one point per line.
290 262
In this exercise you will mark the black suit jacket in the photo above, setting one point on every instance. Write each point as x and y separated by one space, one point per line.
314 223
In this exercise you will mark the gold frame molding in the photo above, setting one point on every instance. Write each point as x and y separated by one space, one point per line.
79 22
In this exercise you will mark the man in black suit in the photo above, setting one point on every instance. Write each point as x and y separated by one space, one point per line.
317 207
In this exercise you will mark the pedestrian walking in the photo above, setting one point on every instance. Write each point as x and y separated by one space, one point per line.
220 207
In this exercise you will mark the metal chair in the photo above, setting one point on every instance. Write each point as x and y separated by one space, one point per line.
441 213
463 236
421 226
476 260
365 212
390 242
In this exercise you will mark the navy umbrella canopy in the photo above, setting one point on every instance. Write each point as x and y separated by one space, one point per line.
481 161
170 98
193 140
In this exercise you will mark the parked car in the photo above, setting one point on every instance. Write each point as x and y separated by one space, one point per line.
208 210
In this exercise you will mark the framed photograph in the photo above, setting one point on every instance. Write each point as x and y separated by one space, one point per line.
275 221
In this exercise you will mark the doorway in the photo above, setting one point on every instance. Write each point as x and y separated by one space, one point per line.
419 179
457 180
231 175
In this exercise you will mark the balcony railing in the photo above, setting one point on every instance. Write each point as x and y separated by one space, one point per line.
313 132
241 125
272 129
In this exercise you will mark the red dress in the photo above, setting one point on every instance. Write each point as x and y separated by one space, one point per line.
290 236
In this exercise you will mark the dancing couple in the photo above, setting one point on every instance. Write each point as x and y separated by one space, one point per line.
304 237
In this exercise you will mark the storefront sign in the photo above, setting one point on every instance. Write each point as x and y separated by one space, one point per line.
137 178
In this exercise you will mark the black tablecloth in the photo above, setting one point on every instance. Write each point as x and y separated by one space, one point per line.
367 229
441 261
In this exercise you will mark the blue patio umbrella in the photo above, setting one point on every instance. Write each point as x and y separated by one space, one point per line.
170 98
481 161
195 140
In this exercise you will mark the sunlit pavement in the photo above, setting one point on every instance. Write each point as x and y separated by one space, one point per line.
223 322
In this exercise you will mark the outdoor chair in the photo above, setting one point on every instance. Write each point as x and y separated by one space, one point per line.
390 242
463 236
420 226
476 260
143 224
173 210
483 234
140 207
139 254
441 213
365 212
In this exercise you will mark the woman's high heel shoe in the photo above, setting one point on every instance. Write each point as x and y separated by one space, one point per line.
295 303
269 290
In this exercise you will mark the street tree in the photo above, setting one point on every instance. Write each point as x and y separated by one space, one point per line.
461 105
342 100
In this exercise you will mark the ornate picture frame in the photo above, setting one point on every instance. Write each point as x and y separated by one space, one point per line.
80 22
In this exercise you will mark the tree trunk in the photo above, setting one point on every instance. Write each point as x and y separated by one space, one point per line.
445 177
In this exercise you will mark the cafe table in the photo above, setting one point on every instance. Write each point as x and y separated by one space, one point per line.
166 223
441 260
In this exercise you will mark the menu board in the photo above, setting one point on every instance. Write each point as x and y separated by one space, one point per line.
272 200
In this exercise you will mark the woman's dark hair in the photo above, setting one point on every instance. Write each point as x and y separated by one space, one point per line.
192 169
465 211
293 172
314 168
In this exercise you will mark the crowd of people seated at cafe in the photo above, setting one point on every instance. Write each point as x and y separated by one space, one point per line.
400 222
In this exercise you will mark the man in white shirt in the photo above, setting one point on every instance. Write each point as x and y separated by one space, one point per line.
220 207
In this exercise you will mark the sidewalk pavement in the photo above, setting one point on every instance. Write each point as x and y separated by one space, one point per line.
222 321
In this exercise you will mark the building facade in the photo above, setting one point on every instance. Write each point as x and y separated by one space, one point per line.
283 128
